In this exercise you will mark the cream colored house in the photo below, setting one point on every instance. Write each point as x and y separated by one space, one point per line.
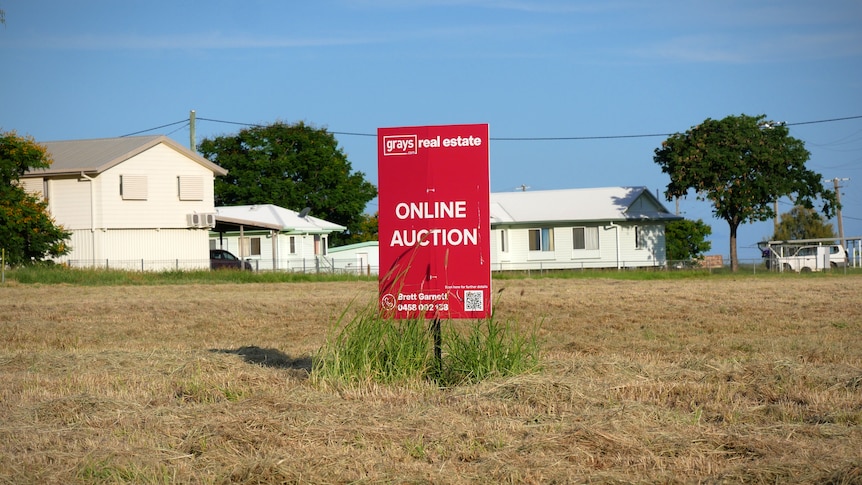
609 227
142 202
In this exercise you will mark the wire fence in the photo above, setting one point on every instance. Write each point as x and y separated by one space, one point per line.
352 266
355 266
301 265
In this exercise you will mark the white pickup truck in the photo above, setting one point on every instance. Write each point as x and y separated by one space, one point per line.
812 258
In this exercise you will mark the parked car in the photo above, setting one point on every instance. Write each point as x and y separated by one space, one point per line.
806 258
223 259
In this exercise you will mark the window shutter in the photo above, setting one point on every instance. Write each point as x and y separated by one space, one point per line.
133 187
190 187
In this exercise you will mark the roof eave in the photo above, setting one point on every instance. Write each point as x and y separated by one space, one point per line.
59 173
254 224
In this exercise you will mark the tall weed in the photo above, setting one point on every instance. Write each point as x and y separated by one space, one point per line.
489 349
371 348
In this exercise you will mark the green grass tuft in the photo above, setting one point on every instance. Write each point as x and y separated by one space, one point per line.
489 349
370 348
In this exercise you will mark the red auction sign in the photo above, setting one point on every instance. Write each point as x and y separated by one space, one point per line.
433 194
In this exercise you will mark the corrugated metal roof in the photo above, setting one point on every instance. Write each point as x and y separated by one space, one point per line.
593 204
100 154
359 245
269 215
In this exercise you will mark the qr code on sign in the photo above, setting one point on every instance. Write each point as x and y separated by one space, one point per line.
474 301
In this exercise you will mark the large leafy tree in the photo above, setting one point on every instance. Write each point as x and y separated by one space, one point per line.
366 230
802 223
686 239
292 166
27 232
742 165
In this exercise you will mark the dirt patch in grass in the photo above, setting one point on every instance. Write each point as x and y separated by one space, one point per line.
716 380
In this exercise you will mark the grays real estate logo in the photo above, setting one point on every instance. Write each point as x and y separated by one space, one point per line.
394 145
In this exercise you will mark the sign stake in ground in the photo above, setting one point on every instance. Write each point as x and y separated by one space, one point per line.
434 190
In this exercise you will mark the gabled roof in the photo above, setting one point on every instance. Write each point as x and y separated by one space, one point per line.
578 205
274 217
97 155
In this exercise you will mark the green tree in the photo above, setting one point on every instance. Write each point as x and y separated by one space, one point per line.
27 231
686 239
802 223
366 230
742 165
292 166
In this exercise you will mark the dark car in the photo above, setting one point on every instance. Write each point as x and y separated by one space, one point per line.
222 259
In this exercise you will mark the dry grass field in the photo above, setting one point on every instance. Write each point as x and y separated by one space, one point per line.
698 380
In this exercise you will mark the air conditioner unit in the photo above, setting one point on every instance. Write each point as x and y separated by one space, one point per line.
209 220
193 220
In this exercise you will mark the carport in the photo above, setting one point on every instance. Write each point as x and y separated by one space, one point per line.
225 224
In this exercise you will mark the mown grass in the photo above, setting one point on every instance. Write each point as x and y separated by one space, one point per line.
733 379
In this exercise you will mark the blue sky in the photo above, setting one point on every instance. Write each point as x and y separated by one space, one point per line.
530 69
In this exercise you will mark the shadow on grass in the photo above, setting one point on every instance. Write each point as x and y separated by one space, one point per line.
269 358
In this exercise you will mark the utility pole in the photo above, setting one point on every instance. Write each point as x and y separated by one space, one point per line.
835 181
775 220
192 144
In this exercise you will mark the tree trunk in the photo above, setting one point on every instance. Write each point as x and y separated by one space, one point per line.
734 260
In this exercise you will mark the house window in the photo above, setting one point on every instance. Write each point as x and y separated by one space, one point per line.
585 237
190 187
542 239
250 246
639 234
504 240
292 244
133 187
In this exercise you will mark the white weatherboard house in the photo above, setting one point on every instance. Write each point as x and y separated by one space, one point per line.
614 227
274 238
611 227
141 202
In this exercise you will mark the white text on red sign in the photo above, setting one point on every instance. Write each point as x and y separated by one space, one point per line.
410 144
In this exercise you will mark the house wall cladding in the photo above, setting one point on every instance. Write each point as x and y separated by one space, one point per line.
69 202
565 256
139 249
163 206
